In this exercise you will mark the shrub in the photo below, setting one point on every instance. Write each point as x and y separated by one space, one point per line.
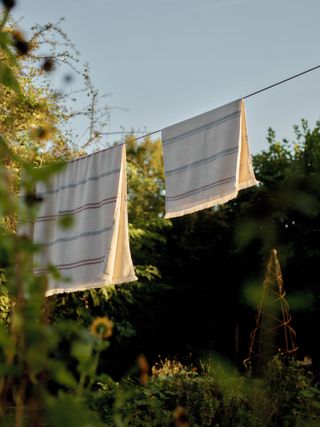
216 397
154 403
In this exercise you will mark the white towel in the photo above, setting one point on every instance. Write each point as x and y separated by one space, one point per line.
95 251
206 160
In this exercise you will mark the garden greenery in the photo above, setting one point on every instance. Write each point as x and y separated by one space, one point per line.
69 359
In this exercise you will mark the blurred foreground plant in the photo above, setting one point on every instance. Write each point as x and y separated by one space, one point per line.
36 388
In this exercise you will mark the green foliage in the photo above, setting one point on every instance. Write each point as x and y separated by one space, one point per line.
68 410
4 300
145 181
218 396
7 58
289 191
154 403
7 78
295 398
146 205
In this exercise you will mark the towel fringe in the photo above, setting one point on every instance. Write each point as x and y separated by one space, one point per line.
250 183
205 205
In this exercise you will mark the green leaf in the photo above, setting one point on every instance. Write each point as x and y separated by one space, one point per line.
5 42
315 404
7 78
82 351
66 221
45 172
67 410
5 339
63 376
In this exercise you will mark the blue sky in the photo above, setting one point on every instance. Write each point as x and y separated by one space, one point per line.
167 60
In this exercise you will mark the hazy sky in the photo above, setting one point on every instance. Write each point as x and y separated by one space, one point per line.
168 60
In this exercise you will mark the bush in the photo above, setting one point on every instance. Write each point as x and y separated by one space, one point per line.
216 397
157 401
289 383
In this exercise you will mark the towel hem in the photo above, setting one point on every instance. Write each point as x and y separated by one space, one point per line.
205 205
250 183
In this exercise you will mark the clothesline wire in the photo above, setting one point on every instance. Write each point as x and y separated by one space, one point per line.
120 132
281 81
245 97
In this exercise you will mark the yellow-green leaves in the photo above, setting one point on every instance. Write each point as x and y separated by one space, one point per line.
7 78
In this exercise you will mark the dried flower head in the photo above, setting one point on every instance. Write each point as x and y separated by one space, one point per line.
180 417
48 65
143 368
21 45
42 133
307 361
172 368
102 327
9 4
32 199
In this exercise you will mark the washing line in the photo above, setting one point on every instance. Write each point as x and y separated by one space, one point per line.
244 97
281 82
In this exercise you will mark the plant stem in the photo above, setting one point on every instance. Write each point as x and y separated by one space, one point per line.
4 18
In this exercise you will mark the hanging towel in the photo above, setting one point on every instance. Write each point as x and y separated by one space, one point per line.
94 251
206 160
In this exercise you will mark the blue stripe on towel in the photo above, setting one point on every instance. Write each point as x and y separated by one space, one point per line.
204 161
201 128
200 189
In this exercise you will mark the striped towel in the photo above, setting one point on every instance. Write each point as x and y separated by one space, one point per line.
206 160
95 251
